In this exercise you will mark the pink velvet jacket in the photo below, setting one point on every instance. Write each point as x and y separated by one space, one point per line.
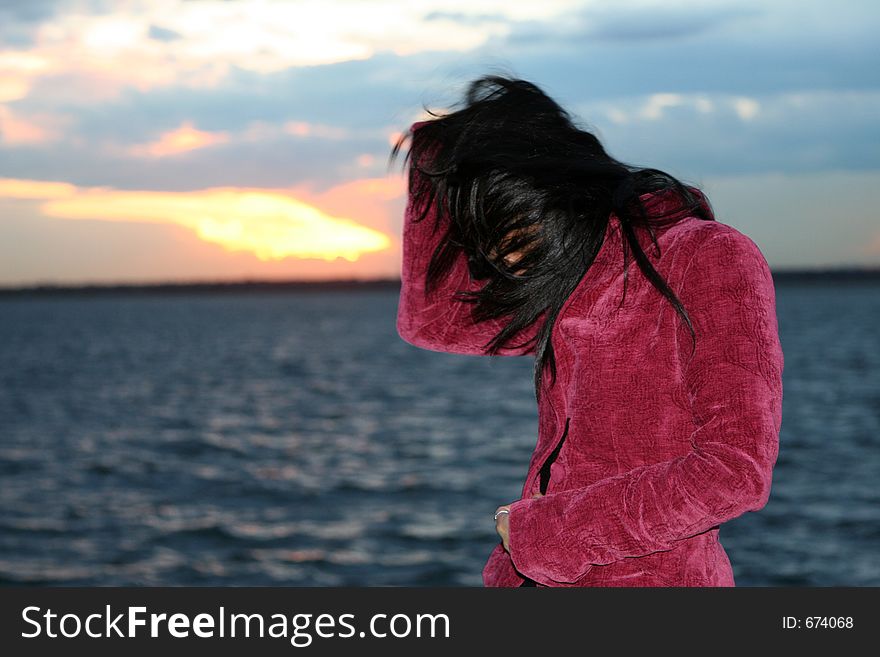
643 450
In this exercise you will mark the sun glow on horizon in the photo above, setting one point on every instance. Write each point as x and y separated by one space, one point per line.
273 225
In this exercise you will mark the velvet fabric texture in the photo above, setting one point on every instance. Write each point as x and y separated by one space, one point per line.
645 449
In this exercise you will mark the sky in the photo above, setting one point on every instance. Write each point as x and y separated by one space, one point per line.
206 140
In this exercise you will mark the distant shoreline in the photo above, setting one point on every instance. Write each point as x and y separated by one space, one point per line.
818 275
209 287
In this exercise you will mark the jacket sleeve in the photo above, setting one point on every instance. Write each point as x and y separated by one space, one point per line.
439 322
734 381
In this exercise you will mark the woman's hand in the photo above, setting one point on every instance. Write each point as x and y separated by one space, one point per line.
502 523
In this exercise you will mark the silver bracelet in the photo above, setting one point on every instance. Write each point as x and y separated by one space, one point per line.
498 513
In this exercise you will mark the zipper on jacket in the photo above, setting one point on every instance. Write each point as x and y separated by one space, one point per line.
545 468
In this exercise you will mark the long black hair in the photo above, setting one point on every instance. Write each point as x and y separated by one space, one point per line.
514 174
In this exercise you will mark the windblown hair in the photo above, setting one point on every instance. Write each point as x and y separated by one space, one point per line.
513 173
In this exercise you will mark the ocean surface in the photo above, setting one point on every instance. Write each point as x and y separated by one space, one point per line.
294 439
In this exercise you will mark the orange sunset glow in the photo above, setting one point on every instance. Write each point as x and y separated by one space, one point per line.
272 225
185 138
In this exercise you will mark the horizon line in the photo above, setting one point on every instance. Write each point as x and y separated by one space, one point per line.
840 272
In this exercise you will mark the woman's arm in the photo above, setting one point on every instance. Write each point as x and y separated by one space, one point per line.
735 385
438 321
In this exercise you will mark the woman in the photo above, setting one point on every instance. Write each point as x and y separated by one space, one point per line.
659 389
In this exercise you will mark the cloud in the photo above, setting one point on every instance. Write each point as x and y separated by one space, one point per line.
704 134
159 33
654 107
630 23
661 22
749 50
183 139
306 129
279 139
463 18
301 124
35 189
19 20
746 108
36 129
16 72
88 252
149 45
273 225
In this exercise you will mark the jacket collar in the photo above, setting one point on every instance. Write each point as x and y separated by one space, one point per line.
666 200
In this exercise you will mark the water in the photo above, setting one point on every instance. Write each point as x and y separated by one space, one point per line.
294 439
